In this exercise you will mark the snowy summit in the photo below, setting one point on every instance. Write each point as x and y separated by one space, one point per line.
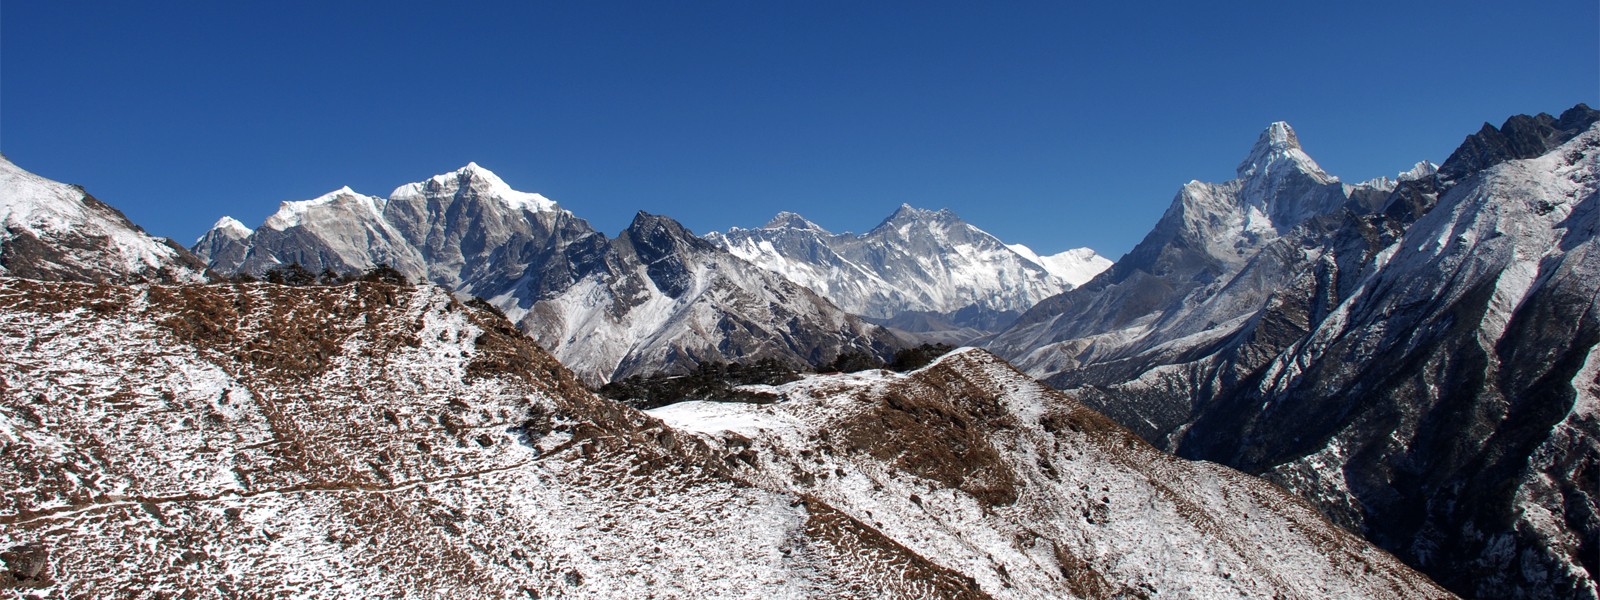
480 180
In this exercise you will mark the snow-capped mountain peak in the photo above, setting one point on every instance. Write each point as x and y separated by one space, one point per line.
789 220
1421 170
658 297
293 212
25 191
1386 184
920 270
1278 149
230 227
908 214
479 180
231 224
1333 340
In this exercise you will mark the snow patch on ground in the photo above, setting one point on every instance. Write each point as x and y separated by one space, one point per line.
702 416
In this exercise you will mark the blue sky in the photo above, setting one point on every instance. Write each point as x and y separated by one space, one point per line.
1049 123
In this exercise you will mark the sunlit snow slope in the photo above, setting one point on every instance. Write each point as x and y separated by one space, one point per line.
654 299
920 270
374 441
1415 356
51 230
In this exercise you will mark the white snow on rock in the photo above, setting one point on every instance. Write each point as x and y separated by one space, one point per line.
1049 499
701 416
293 213
1193 272
70 235
916 260
1076 266
372 441
480 180
231 227
604 310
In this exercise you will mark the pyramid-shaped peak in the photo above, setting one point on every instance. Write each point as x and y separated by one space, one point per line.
472 176
477 179
661 231
475 172
1279 135
916 218
789 220
643 220
1277 150
473 169
909 212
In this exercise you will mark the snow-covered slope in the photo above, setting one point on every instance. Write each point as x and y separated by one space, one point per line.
916 261
57 231
1414 364
979 468
372 441
1447 405
1076 266
668 300
594 302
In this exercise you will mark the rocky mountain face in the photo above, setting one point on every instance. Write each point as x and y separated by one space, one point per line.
667 300
58 231
368 440
1181 280
655 299
1520 137
1418 367
921 271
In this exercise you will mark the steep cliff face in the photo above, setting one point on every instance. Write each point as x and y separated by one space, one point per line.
374 441
57 231
1447 405
1416 366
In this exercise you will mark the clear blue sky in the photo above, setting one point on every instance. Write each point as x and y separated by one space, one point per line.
1049 123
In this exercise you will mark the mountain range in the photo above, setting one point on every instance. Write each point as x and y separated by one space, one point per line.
1414 355
371 440
1404 365
658 299
654 299
927 273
